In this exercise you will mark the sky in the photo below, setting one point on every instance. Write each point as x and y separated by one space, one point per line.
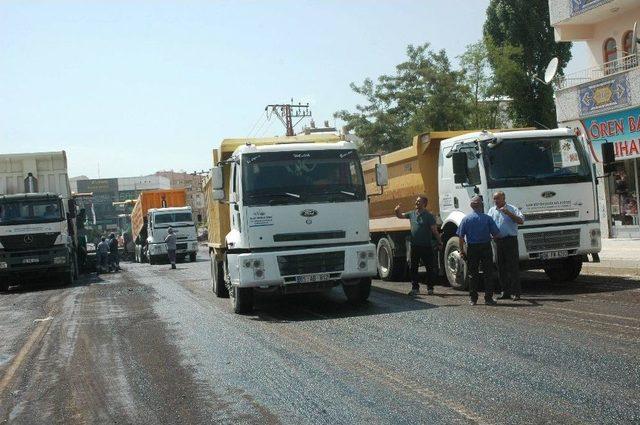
128 88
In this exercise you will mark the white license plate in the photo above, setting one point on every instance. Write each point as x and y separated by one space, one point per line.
553 254
30 260
313 278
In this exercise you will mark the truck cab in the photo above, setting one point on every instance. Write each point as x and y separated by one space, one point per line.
180 219
297 221
547 174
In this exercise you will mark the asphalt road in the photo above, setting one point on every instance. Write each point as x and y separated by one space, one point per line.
151 345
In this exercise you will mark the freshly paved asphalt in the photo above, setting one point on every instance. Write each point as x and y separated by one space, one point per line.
151 345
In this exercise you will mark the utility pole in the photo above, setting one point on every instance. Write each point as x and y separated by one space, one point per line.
287 112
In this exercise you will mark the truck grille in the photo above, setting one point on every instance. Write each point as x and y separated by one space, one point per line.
325 262
28 242
557 239
549 215
308 236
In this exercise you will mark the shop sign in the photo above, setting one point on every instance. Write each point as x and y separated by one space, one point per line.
621 128
604 95
581 6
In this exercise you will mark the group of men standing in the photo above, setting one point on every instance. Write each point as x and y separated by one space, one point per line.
476 232
107 254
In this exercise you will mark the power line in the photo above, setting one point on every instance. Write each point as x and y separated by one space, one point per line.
260 118
287 112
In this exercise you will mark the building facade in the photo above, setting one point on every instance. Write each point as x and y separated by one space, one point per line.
192 182
107 191
603 101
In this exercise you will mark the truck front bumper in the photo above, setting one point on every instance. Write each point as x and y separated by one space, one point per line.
291 267
183 247
53 260
541 244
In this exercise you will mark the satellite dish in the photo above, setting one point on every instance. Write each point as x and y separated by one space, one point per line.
634 39
551 71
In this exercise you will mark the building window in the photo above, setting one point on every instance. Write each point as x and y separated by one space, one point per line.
610 53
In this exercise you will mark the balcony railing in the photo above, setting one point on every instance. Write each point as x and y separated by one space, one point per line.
590 74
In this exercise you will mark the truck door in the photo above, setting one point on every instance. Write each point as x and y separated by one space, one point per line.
235 198
463 193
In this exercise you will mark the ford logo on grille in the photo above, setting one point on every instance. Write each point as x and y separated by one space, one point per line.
548 194
308 213
28 239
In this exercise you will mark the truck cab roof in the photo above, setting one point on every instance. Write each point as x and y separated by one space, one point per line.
294 147
29 196
506 135
170 209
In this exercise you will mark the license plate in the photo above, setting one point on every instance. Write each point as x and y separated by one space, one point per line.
553 254
312 278
30 260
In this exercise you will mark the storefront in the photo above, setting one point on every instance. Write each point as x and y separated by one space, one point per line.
620 192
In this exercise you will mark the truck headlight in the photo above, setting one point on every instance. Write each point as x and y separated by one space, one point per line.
59 260
363 259
257 264
595 236
3 265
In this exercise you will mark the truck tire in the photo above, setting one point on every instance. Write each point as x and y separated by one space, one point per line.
390 268
192 257
358 293
4 286
565 271
452 262
242 300
153 260
218 285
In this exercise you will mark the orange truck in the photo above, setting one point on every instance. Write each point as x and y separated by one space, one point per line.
154 213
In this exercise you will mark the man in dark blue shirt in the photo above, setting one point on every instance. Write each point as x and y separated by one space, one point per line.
476 229
423 229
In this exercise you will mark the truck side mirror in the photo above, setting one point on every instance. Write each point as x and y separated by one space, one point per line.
608 157
460 167
382 175
217 181
217 194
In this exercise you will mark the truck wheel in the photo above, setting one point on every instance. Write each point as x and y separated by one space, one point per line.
242 300
69 277
152 260
192 257
4 286
390 268
454 266
217 279
359 292
565 271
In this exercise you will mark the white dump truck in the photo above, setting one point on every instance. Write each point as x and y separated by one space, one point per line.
547 174
289 214
38 238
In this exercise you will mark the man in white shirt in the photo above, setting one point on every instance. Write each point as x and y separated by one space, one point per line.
507 218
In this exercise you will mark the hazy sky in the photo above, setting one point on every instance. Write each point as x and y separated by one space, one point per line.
132 87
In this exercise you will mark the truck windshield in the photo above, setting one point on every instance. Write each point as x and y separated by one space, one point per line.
271 178
30 211
532 162
166 219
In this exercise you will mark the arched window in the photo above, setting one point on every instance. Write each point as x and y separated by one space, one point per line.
626 43
610 53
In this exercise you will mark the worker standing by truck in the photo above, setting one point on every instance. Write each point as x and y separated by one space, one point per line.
507 218
171 242
103 255
476 228
423 226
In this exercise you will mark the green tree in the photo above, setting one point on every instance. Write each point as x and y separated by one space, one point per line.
521 43
424 94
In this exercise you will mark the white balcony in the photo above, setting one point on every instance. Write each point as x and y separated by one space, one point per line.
576 19
611 86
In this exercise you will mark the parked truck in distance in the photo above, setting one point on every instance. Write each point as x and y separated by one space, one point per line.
288 214
37 220
547 174
155 211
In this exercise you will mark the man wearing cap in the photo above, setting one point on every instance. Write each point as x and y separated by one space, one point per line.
171 242
507 218
476 229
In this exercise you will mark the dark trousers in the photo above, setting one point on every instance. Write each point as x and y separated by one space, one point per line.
172 255
480 257
508 265
425 255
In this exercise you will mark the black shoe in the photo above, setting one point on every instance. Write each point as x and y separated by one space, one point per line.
490 301
472 302
504 297
173 266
